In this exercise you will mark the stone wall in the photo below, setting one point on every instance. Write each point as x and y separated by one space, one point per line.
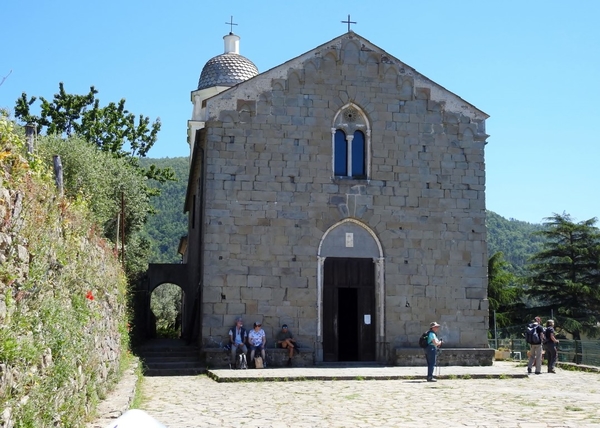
446 357
62 305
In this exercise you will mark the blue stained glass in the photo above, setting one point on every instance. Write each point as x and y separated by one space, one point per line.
340 162
358 155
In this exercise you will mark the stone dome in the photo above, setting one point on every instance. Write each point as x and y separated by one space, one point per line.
227 69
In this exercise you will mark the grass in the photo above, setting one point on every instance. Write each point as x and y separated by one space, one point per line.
138 397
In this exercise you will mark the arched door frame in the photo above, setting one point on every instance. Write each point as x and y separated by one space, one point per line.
379 261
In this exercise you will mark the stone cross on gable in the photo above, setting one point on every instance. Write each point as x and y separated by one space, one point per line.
231 24
348 22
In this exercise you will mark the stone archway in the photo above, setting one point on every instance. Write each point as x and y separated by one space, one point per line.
166 309
159 274
351 243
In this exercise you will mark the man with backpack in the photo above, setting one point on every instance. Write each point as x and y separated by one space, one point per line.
432 344
534 335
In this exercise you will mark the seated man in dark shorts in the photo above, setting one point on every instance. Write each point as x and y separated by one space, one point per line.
285 339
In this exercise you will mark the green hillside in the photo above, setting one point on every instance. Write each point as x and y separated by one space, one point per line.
514 238
169 224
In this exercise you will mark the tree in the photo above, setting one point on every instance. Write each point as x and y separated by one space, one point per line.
504 292
112 128
565 274
166 307
99 179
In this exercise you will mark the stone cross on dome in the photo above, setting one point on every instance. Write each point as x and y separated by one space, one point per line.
231 24
349 22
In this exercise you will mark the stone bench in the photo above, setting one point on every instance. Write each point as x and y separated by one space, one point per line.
218 358
446 357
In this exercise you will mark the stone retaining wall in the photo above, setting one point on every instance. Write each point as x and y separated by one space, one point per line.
446 357
78 297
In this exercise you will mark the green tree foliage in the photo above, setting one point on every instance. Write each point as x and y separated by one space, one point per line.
99 179
166 307
565 274
168 223
112 128
504 293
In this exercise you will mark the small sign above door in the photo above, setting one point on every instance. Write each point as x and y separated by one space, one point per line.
349 240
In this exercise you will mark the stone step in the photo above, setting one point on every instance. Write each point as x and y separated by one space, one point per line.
170 358
155 357
194 371
172 364
180 354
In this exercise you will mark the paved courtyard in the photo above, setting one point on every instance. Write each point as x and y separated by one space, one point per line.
504 399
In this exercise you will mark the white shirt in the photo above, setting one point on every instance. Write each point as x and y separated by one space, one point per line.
256 337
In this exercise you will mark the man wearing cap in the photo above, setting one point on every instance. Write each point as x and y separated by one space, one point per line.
237 339
433 343
285 339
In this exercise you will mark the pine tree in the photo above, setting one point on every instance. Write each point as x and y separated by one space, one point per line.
565 274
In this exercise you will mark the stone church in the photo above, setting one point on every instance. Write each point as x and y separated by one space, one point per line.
341 193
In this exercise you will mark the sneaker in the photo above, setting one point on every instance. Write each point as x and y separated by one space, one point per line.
552 371
529 371
430 379
538 372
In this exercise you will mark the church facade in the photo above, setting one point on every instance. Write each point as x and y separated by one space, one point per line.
341 193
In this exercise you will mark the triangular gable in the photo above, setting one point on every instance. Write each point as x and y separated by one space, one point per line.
252 88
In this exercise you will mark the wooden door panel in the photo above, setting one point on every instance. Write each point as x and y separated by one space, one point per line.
341 275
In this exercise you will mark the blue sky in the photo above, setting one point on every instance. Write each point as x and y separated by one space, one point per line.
533 66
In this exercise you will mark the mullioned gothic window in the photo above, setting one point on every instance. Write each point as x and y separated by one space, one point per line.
350 143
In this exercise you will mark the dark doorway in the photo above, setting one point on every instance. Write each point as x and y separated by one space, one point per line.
348 310
347 324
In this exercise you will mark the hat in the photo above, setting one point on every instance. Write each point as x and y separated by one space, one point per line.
257 323
433 324
284 326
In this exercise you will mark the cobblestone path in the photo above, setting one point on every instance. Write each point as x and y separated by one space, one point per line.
565 399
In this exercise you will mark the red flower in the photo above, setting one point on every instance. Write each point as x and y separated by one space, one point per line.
89 296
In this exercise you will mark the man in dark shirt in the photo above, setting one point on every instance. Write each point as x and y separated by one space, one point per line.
551 346
535 351
285 339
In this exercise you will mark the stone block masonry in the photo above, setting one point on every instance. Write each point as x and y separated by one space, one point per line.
270 179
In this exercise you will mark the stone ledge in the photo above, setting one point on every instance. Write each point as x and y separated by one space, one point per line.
276 357
446 357
118 400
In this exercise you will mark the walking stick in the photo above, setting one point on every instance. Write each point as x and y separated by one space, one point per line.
437 360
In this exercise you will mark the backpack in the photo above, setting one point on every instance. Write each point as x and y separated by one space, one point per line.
531 335
423 339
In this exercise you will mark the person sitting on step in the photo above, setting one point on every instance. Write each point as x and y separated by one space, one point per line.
237 339
285 340
257 340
